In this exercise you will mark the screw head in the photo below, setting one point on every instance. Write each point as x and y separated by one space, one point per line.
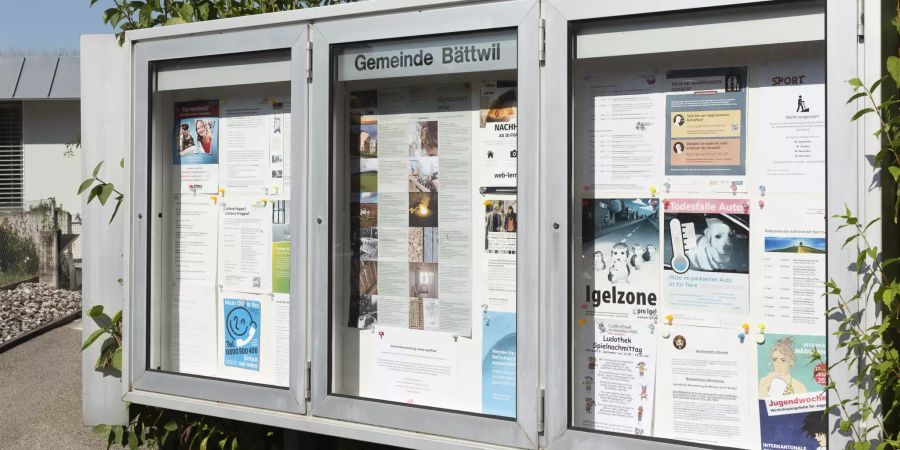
140 216
555 225
319 220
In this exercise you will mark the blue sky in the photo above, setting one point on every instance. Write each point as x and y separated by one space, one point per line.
49 25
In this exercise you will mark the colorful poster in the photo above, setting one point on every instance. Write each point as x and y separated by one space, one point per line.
498 364
620 257
281 247
707 260
705 122
615 372
196 146
791 389
241 332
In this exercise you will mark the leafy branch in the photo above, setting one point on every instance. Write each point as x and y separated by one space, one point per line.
870 352
110 359
102 190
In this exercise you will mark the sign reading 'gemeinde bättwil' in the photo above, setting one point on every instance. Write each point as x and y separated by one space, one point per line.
440 55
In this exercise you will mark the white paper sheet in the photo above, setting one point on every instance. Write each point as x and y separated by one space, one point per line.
245 245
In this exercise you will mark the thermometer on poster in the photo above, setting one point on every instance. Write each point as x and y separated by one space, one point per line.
683 240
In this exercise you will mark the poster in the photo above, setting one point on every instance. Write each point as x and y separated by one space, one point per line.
706 397
620 258
281 246
241 332
791 391
790 105
624 128
793 255
707 260
280 147
413 367
615 372
706 135
196 146
498 364
247 125
245 245
410 183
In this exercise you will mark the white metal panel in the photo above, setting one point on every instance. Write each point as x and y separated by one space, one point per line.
201 75
718 29
104 137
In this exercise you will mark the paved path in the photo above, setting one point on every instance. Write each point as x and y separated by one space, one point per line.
40 394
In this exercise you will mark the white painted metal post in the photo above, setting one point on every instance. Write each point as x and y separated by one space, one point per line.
104 125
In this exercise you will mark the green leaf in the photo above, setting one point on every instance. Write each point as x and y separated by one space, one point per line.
893 68
118 431
84 185
855 82
855 96
234 444
895 172
861 113
97 167
117 359
876 84
95 311
92 338
122 163
116 210
95 192
117 318
132 441
222 443
171 426
204 442
105 193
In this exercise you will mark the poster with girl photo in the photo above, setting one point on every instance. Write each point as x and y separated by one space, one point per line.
196 132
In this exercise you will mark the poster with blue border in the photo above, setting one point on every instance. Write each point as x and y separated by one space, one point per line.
242 331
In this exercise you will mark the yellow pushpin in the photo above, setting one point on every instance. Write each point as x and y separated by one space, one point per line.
653 191
762 328
669 319
221 191
746 327
214 198
581 322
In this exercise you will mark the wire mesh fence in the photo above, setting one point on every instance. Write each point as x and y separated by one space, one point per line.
27 234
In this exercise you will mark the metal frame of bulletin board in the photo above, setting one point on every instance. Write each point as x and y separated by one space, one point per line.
301 49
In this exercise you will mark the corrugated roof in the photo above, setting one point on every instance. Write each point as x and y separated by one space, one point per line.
39 77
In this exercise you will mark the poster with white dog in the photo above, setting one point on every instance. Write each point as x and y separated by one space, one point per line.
707 260
620 258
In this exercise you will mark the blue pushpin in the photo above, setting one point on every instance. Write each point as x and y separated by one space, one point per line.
741 336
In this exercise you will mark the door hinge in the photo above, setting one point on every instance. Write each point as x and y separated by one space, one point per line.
542 42
307 391
540 421
309 61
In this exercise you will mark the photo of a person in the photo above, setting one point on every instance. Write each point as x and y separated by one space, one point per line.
204 134
509 221
815 426
186 143
678 120
678 148
679 342
779 382
732 83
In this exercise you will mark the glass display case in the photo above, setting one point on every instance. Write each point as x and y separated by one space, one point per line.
424 219
215 168
697 238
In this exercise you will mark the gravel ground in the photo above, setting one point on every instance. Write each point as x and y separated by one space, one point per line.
31 305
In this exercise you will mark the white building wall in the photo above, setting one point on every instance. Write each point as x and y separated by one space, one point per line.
47 126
